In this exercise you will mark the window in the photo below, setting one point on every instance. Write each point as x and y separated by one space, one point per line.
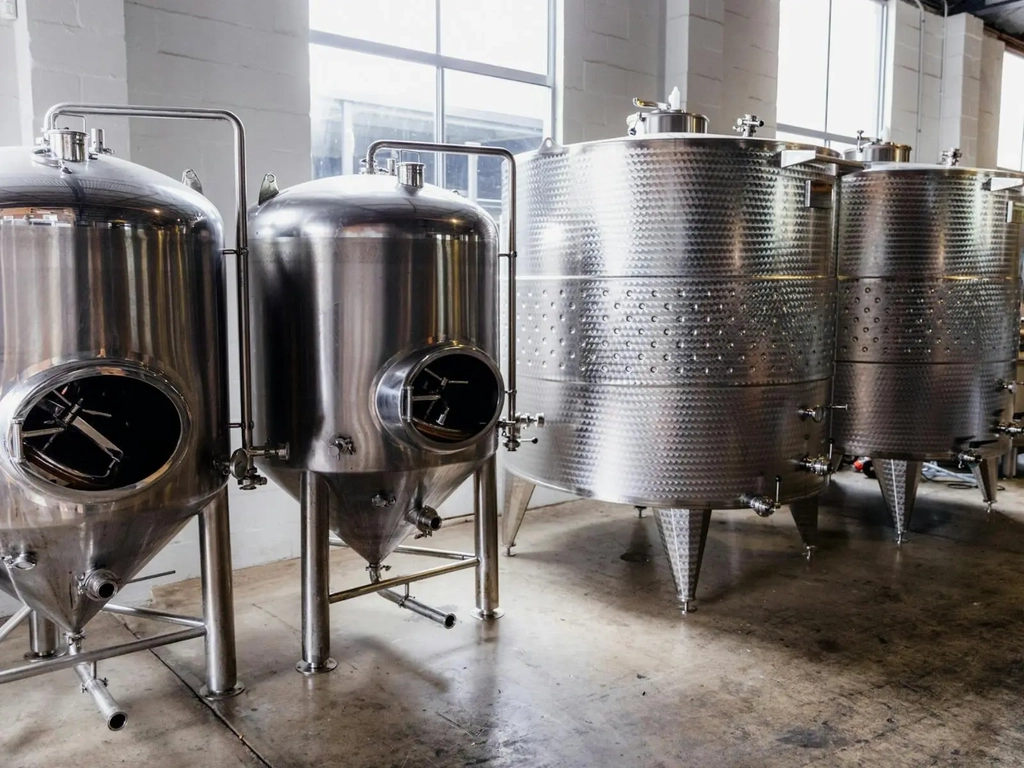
461 71
1010 153
830 70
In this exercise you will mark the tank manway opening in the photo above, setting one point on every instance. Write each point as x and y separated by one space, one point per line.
100 433
454 398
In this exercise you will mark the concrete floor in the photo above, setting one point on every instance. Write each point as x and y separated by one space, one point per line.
868 655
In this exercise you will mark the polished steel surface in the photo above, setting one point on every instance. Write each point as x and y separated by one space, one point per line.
110 273
675 311
244 469
356 281
927 329
314 505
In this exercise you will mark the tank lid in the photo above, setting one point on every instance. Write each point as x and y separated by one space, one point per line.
664 117
869 150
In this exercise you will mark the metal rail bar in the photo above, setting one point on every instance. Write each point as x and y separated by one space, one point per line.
149 613
12 623
398 581
241 230
513 426
445 554
45 666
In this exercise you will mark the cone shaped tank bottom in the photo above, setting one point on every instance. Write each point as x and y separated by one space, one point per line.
899 481
52 571
372 512
684 532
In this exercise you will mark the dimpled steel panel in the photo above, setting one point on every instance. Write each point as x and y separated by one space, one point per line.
675 311
927 310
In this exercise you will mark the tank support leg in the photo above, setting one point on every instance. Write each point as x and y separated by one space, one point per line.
805 515
485 519
684 532
316 587
517 498
42 638
899 481
1010 463
986 473
218 600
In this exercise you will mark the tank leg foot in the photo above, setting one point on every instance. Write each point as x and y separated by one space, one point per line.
805 515
898 481
517 498
218 600
485 498
986 473
684 532
316 548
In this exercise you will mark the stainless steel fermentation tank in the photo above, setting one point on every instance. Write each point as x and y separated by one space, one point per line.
928 321
376 334
675 316
113 398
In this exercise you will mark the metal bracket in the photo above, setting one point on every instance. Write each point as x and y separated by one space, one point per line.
790 157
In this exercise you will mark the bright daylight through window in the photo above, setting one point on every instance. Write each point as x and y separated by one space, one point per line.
437 70
830 70
1011 114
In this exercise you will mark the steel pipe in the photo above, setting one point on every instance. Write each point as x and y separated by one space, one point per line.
316 616
398 581
148 613
485 527
218 600
97 688
12 623
123 649
241 233
513 426
445 619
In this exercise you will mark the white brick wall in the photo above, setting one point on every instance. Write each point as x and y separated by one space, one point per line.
609 51
10 121
961 86
990 93
252 57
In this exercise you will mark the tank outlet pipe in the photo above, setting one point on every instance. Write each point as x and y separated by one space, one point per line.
242 464
968 458
99 584
1013 429
425 519
97 688
766 506
514 423
446 620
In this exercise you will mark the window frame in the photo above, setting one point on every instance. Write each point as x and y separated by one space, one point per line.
441 62
826 137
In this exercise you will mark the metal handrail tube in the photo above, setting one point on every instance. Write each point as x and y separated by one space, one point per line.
444 618
12 623
45 666
149 613
459 149
397 581
241 225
